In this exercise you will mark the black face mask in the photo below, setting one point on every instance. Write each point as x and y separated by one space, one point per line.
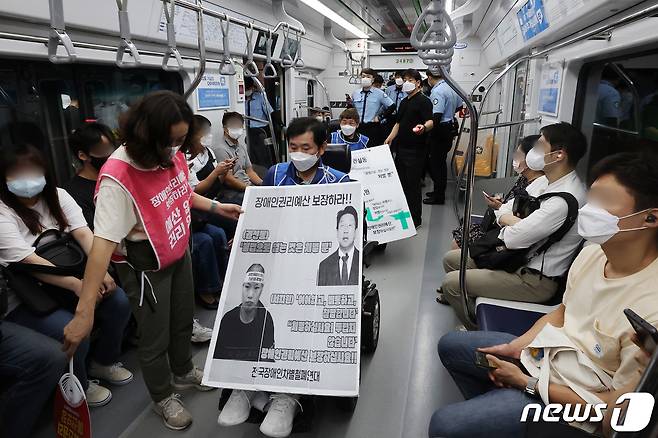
97 162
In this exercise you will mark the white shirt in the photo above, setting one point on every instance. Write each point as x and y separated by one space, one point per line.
350 257
16 239
536 228
535 188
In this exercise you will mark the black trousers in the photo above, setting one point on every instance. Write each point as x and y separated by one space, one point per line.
260 153
373 131
440 144
410 163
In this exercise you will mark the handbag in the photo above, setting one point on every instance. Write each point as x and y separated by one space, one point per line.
490 252
69 259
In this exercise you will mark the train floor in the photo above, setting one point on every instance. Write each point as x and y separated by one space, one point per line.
401 384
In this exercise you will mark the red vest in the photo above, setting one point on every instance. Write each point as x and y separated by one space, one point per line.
162 198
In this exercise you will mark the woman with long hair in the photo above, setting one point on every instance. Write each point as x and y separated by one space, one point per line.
142 222
30 204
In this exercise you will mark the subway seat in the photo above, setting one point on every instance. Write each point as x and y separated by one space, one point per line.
513 317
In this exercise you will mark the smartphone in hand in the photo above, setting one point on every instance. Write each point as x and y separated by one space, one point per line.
482 361
646 333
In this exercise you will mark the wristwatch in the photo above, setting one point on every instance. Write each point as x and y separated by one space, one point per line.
531 387
213 206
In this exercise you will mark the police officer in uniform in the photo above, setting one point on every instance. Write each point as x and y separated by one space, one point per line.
394 92
445 102
258 106
372 104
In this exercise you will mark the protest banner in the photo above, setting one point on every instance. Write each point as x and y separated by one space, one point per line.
289 317
387 212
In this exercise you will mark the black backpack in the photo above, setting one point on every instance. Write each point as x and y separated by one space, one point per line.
490 252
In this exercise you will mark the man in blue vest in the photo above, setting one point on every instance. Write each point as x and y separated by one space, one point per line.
307 140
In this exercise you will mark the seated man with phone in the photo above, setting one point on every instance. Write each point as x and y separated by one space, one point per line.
585 351
534 269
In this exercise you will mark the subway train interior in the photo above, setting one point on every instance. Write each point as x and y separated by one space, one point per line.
536 105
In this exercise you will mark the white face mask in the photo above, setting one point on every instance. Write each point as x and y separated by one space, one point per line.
173 150
303 161
535 159
408 87
28 186
319 118
235 133
399 82
348 130
206 140
366 82
598 225
248 93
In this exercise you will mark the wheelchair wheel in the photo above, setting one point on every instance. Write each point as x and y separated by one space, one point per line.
347 404
370 320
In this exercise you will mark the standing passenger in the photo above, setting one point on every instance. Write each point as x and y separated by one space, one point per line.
258 131
371 103
409 139
445 103
143 203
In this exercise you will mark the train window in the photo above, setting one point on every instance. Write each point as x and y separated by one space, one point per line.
618 102
56 99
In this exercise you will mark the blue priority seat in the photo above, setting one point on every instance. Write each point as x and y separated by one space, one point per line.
508 316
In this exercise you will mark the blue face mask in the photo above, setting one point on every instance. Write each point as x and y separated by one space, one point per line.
27 187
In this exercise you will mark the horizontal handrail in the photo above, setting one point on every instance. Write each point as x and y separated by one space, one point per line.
510 123
615 129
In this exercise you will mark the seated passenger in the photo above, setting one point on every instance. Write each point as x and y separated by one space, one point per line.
523 184
232 147
31 204
585 346
349 123
556 152
306 144
31 365
209 241
92 144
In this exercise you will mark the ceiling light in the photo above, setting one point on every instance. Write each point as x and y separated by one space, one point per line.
333 16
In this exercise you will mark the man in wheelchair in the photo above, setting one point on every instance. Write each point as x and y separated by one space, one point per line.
583 352
306 145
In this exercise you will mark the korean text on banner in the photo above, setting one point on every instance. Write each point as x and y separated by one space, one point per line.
387 211
289 318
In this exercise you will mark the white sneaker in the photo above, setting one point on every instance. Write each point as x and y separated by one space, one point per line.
279 419
114 374
190 380
97 395
200 334
237 408
173 412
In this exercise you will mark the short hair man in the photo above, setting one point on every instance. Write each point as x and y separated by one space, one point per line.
307 141
409 139
92 144
258 106
349 124
342 266
232 147
616 272
247 328
445 103
557 152
371 103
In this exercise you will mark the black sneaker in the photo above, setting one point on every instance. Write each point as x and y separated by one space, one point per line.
434 201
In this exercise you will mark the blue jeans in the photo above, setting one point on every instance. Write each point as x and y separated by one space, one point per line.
30 367
209 259
111 318
487 411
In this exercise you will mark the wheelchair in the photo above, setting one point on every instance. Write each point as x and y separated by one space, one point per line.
339 157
